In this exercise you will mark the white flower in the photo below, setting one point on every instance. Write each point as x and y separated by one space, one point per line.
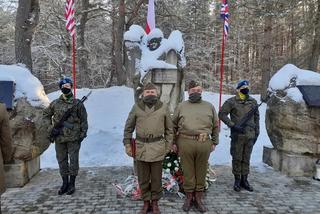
167 170
169 165
176 169
176 162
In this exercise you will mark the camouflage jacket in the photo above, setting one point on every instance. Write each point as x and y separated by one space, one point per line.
237 108
75 127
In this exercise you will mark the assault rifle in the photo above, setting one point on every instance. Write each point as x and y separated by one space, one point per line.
57 128
243 121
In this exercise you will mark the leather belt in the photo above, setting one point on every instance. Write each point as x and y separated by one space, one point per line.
200 137
192 137
149 139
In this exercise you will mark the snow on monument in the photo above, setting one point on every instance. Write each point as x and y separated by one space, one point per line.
293 125
153 58
29 132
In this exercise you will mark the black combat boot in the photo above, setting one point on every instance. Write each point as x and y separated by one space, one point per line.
245 184
72 187
65 185
237 181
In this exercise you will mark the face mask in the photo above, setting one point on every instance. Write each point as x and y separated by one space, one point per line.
195 97
150 100
245 91
66 90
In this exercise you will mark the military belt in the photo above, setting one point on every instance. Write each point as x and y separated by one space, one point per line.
149 139
192 137
200 137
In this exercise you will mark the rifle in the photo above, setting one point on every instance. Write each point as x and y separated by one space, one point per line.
248 116
57 128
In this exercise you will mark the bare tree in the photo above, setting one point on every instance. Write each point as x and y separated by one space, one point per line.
314 58
26 21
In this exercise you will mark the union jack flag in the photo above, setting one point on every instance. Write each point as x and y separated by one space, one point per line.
224 13
69 15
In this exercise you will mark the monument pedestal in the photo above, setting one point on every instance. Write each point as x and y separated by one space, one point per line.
291 164
20 173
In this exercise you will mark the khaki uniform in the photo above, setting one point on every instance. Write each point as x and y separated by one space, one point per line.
150 124
75 128
190 121
241 143
5 144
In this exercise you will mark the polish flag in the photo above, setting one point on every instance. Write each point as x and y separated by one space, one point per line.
151 22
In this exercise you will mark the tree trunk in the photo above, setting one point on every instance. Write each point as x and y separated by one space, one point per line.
118 45
313 63
266 53
26 21
82 50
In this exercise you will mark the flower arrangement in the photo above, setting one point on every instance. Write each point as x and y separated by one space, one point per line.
172 176
172 179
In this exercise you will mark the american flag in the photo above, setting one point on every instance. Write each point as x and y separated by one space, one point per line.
69 14
224 13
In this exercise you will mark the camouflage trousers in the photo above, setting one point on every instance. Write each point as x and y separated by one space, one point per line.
67 155
240 150
150 179
194 157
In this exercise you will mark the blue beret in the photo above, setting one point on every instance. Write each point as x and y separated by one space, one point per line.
242 83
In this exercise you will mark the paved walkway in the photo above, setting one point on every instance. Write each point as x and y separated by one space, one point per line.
274 193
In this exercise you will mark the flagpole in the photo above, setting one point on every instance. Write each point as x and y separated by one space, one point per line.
221 70
74 64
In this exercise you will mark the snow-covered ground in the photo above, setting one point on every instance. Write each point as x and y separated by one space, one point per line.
107 113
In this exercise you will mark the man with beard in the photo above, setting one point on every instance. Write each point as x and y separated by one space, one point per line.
195 123
68 142
242 138
150 118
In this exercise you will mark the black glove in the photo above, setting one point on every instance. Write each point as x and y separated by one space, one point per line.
55 132
82 137
237 128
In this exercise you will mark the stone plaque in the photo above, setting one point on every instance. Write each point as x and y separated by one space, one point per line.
165 76
311 94
6 93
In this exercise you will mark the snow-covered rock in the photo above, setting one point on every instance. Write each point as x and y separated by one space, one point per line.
293 127
153 59
28 129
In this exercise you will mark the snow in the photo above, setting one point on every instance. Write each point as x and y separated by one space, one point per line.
134 34
281 80
27 85
107 112
149 59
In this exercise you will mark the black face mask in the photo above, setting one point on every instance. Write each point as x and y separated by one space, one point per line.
195 97
245 91
66 90
150 100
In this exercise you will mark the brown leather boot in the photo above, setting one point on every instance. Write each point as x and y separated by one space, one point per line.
146 206
155 207
198 202
187 203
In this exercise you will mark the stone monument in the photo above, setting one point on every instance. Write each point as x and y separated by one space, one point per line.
152 58
25 102
293 125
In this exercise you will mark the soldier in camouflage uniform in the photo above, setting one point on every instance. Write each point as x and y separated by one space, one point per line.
242 138
195 123
74 130
152 122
